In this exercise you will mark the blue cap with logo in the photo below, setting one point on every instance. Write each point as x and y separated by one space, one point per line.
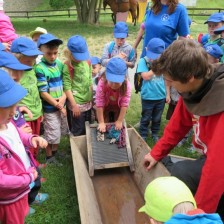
155 48
215 18
219 30
116 70
77 45
120 30
8 60
47 38
95 60
25 46
10 91
2 47
214 50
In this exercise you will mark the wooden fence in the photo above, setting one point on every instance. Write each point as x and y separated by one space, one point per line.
73 13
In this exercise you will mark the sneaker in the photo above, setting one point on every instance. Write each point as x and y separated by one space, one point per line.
53 161
31 211
155 138
40 198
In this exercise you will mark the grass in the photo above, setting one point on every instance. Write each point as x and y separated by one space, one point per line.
62 206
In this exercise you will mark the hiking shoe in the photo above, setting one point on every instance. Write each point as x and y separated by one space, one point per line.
53 161
31 211
40 198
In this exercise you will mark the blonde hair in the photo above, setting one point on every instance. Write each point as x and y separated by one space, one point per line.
67 54
183 208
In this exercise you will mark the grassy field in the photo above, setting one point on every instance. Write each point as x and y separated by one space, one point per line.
62 206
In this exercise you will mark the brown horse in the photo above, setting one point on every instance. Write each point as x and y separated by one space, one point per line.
123 6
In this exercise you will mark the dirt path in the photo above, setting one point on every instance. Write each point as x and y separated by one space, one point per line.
20 5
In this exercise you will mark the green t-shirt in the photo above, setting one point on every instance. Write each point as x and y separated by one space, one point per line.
32 100
220 42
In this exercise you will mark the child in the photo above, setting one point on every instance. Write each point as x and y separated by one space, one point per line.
153 92
17 171
220 31
214 53
96 74
184 64
7 31
113 95
168 200
119 47
35 34
49 82
26 52
77 82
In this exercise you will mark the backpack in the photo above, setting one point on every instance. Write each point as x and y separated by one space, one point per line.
110 49
138 78
71 69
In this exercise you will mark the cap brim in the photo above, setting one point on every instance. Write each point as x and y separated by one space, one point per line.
34 32
142 209
32 53
213 21
152 55
120 35
57 41
16 93
81 56
19 67
114 78
219 31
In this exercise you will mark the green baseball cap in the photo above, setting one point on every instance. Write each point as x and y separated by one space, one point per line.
162 195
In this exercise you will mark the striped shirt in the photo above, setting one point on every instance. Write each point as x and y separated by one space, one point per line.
49 79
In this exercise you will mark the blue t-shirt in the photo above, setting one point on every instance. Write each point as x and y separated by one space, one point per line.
165 26
154 88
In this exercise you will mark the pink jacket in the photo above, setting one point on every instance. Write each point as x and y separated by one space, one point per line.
14 179
7 31
104 94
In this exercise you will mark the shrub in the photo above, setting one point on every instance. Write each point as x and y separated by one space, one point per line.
61 4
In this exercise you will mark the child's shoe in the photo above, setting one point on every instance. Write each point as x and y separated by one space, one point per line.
40 198
53 161
31 211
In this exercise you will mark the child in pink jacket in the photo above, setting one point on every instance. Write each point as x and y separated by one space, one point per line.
17 170
113 94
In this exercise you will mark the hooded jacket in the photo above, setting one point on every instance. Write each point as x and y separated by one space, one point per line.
203 111
14 178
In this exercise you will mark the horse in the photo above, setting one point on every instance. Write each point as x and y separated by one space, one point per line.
123 6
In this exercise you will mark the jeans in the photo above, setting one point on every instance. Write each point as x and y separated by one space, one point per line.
151 111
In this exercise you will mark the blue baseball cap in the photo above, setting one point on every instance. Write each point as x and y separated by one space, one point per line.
215 18
77 45
116 70
2 47
214 50
8 60
25 46
47 38
219 30
10 91
95 60
155 48
120 30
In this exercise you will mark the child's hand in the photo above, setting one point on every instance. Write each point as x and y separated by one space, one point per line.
123 56
24 109
39 141
102 127
63 111
61 102
34 172
118 125
168 99
26 128
76 110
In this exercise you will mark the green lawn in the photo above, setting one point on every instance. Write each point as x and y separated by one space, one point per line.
62 206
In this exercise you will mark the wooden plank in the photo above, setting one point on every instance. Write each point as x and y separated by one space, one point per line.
89 149
110 165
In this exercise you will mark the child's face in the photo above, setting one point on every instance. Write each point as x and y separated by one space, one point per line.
119 41
36 36
28 60
222 34
212 60
6 114
95 69
213 26
15 74
114 85
50 54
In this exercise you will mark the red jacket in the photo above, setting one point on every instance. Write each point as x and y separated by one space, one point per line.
209 139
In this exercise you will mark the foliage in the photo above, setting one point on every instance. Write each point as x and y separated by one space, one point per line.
61 4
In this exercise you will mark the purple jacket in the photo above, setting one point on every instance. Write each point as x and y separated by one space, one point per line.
14 178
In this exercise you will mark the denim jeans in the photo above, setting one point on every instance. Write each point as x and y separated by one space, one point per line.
151 111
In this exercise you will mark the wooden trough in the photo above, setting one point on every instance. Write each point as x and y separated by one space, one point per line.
113 196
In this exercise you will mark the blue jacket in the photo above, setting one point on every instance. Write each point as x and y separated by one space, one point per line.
195 219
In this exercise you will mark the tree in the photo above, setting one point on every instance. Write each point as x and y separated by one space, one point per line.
60 4
88 11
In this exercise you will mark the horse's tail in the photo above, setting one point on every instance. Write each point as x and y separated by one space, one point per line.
137 10
104 4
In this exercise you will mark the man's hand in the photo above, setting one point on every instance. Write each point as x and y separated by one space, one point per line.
149 161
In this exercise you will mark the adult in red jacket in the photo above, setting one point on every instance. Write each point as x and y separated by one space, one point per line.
185 66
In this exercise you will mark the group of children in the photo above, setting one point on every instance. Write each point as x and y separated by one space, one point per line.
77 90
